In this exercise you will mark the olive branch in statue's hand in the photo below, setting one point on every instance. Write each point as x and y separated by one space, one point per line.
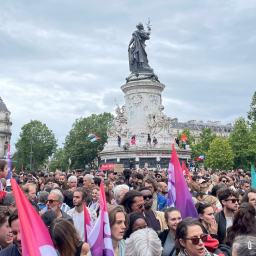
149 25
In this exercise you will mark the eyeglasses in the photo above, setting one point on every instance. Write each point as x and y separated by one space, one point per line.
195 240
149 197
224 181
51 201
141 205
233 200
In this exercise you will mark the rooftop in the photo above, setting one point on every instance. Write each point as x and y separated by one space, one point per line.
3 106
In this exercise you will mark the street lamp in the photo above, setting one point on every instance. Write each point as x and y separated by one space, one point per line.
31 142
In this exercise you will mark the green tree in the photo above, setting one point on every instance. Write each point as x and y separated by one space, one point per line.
203 145
188 134
59 161
243 143
78 146
220 155
252 113
44 144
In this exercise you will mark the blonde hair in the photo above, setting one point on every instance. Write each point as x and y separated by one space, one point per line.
112 211
210 199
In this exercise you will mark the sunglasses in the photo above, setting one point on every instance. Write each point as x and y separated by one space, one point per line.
224 181
51 201
233 200
141 205
149 197
195 240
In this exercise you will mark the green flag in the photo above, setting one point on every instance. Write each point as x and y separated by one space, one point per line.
253 174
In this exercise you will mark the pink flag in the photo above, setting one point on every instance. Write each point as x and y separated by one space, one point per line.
35 238
8 160
87 224
178 192
100 237
185 170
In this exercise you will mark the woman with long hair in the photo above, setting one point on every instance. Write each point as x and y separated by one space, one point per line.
94 204
207 219
5 230
190 238
66 240
243 224
117 220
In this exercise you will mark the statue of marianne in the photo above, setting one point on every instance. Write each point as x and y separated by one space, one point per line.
138 60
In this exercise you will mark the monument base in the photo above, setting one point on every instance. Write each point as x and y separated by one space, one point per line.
157 157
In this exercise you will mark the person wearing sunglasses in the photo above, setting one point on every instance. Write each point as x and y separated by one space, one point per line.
229 202
190 238
154 219
133 202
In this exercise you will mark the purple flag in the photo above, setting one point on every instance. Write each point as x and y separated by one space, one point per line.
99 239
8 160
178 192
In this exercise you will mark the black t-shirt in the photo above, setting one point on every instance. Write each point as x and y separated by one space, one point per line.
149 137
152 221
10 251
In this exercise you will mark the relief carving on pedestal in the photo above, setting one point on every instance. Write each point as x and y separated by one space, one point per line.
159 124
119 126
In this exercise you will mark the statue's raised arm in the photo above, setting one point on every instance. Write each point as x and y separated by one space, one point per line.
138 59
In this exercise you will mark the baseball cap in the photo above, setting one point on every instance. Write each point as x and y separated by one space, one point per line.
109 172
201 181
101 174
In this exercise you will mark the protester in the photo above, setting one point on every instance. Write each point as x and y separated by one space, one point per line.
143 242
48 217
72 183
245 185
119 193
190 238
149 140
16 248
207 219
94 204
244 246
159 201
154 219
117 226
250 196
135 221
87 180
172 217
66 239
133 202
9 201
55 200
212 200
6 238
62 182
162 188
229 201
243 224
77 213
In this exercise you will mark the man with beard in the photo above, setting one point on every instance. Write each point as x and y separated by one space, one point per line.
77 213
154 219
62 182
229 201
162 188
55 200
15 249
29 190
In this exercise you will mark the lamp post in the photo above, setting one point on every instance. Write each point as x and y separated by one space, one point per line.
31 142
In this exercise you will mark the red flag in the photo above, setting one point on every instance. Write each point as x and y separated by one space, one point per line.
35 238
22 169
184 137
87 223
184 168
236 171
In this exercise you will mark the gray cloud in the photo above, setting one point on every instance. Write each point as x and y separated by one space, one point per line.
61 59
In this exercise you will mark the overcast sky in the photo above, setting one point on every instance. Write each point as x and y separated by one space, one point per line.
60 60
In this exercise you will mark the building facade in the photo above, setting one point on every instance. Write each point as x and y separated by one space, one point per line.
5 129
196 127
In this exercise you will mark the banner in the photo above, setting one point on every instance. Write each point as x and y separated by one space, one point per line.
107 167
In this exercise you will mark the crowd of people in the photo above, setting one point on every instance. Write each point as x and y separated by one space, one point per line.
139 219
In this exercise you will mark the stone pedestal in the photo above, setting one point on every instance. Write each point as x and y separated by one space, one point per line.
141 115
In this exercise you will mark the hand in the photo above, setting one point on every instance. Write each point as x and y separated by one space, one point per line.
41 212
113 201
213 227
72 189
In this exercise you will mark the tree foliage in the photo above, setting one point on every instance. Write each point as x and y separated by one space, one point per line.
252 113
44 144
59 161
188 134
243 144
203 145
220 155
78 146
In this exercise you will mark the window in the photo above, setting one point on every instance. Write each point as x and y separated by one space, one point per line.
178 131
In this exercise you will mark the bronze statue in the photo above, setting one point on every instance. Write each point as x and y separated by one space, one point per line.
136 50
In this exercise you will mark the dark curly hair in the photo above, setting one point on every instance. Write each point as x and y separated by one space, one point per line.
243 224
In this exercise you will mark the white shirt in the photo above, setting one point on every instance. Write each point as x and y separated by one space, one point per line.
78 219
229 221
